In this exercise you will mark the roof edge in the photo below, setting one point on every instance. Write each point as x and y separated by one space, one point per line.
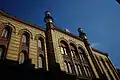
94 49
20 20
70 34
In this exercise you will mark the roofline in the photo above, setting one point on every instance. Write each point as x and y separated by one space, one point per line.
43 29
19 20
68 33
35 26
100 51
77 37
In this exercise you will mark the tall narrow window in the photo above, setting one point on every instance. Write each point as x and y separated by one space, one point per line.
24 38
69 67
73 50
111 67
72 54
21 58
39 44
5 33
79 69
65 51
85 70
62 50
66 68
106 68
1 53
76 69
40 62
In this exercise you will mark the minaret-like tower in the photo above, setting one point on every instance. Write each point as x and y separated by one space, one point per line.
82 35
49 41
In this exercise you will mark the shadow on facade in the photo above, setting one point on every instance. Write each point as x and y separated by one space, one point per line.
13 71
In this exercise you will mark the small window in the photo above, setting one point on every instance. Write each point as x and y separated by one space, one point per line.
40 62
24 38
5 33
21 58
66 68
1 53
69 66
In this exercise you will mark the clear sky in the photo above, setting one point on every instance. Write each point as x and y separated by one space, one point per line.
100 19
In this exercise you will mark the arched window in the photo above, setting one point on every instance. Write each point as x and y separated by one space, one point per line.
24 38
73 50
40 62
69 67
64 48
41 43
1 53
84 61
66 67
21 58
76 69
81 53
5 33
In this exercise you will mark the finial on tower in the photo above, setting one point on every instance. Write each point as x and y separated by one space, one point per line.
48 17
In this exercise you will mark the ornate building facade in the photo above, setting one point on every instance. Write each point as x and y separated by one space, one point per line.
52 50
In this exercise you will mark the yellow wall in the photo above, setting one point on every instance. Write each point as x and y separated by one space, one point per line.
13 49
104 57
57 35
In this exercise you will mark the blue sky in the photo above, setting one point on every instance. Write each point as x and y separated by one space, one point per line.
100 19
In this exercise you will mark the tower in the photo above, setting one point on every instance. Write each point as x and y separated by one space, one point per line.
82 35
49 41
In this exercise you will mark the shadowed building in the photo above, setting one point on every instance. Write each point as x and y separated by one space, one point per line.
51 51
